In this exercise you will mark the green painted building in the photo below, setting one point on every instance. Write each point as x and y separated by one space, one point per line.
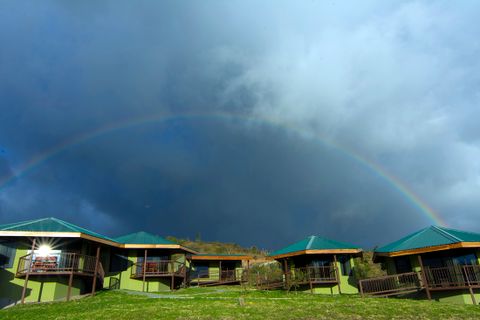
216 269
50 259
147 262
318 264
435 262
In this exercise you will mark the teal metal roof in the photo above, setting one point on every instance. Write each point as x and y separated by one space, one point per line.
49 225
314 243
429 237
143 238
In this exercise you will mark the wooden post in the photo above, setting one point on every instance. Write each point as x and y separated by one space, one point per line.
472 295
337 274
97 261
220 271
424 277
185 273
173 275
285 266
70 282
360 286
144 270
24 291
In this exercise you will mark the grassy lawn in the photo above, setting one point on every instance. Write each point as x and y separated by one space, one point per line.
227 303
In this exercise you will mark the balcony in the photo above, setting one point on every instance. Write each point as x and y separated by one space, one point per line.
164 268
435 279
62 263
214 277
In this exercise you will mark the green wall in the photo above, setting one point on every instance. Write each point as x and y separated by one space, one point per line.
348 284
124 280
39 289
213 271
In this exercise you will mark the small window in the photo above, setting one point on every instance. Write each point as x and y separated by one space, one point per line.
345 265
467 259
402 264
320 263
7 254
200 271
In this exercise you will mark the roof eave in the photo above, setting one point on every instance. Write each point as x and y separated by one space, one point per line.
443 247
322 251
220 257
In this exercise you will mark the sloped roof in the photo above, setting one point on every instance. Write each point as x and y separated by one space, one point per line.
142 237
50 225
433 236
315 244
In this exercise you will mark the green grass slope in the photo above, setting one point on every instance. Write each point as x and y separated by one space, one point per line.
228 303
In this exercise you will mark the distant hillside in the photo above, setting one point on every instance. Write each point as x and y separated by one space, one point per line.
219 247
364 266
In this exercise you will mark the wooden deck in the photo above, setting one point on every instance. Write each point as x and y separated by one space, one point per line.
215 278
158 269
295 277
58 264
68 264
428 279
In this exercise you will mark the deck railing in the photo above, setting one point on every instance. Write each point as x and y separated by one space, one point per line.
297 276
393 284
438 278
158 268
227 275
453 276
64 262
314 274
267 280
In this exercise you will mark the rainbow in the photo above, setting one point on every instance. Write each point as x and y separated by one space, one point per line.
375 168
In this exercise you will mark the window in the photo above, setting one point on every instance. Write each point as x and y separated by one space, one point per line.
402 264
7 254
320 263
200 271
448 260
345 265
466 259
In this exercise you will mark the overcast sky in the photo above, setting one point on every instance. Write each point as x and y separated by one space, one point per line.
306 84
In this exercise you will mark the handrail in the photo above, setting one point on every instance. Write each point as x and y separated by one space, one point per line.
57 263
453 276
225 275
437 278
162 267
392 284
313 274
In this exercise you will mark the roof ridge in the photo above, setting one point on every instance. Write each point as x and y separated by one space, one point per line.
446 233
309 244
20 224
79 229
457 230
416 234
66 224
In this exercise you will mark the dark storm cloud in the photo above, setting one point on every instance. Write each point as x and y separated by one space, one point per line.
397 82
